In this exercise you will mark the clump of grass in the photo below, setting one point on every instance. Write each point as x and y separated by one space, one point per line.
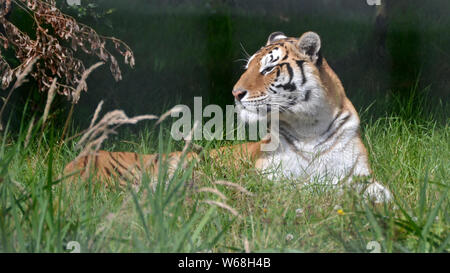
211 208
43 213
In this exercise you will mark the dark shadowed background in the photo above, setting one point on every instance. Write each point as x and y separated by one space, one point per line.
196 48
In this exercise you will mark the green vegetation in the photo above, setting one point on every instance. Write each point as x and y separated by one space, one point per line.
40 211
193 49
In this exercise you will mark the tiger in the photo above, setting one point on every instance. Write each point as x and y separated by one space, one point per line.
318 130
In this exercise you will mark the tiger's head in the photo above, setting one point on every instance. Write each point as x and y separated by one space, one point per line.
290 74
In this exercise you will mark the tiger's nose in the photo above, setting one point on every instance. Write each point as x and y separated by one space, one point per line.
239 94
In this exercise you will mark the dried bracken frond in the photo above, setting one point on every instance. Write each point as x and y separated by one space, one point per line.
97 111
29 131
20 79
246 246
175 109
82 85
212 190
233 185
53 29
188 138
97 133
50 97
222 205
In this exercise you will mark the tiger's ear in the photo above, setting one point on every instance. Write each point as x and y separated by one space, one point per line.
309 44
275 36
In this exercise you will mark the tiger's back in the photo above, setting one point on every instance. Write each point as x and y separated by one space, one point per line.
104 165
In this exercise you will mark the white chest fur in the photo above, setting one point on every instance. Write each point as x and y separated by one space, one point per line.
333 156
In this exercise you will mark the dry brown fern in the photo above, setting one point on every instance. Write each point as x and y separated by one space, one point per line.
53 30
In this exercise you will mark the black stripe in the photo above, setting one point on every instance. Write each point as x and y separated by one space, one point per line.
319 59
300 65
117 162
290 140
290 71
332 122
138 166
85 161
344 120
108 171
289 86
307 95
138 161
115 168
95 161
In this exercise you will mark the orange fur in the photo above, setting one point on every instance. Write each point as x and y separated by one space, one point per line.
129 166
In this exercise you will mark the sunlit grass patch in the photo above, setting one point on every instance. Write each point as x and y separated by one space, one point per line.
212 208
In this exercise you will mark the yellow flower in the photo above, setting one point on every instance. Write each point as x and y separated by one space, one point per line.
264 210
340 212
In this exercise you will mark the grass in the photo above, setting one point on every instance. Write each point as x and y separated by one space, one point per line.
41 211
195 55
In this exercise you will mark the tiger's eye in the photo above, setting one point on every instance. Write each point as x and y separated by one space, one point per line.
268 70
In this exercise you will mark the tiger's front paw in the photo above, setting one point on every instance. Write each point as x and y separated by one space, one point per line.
378 193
